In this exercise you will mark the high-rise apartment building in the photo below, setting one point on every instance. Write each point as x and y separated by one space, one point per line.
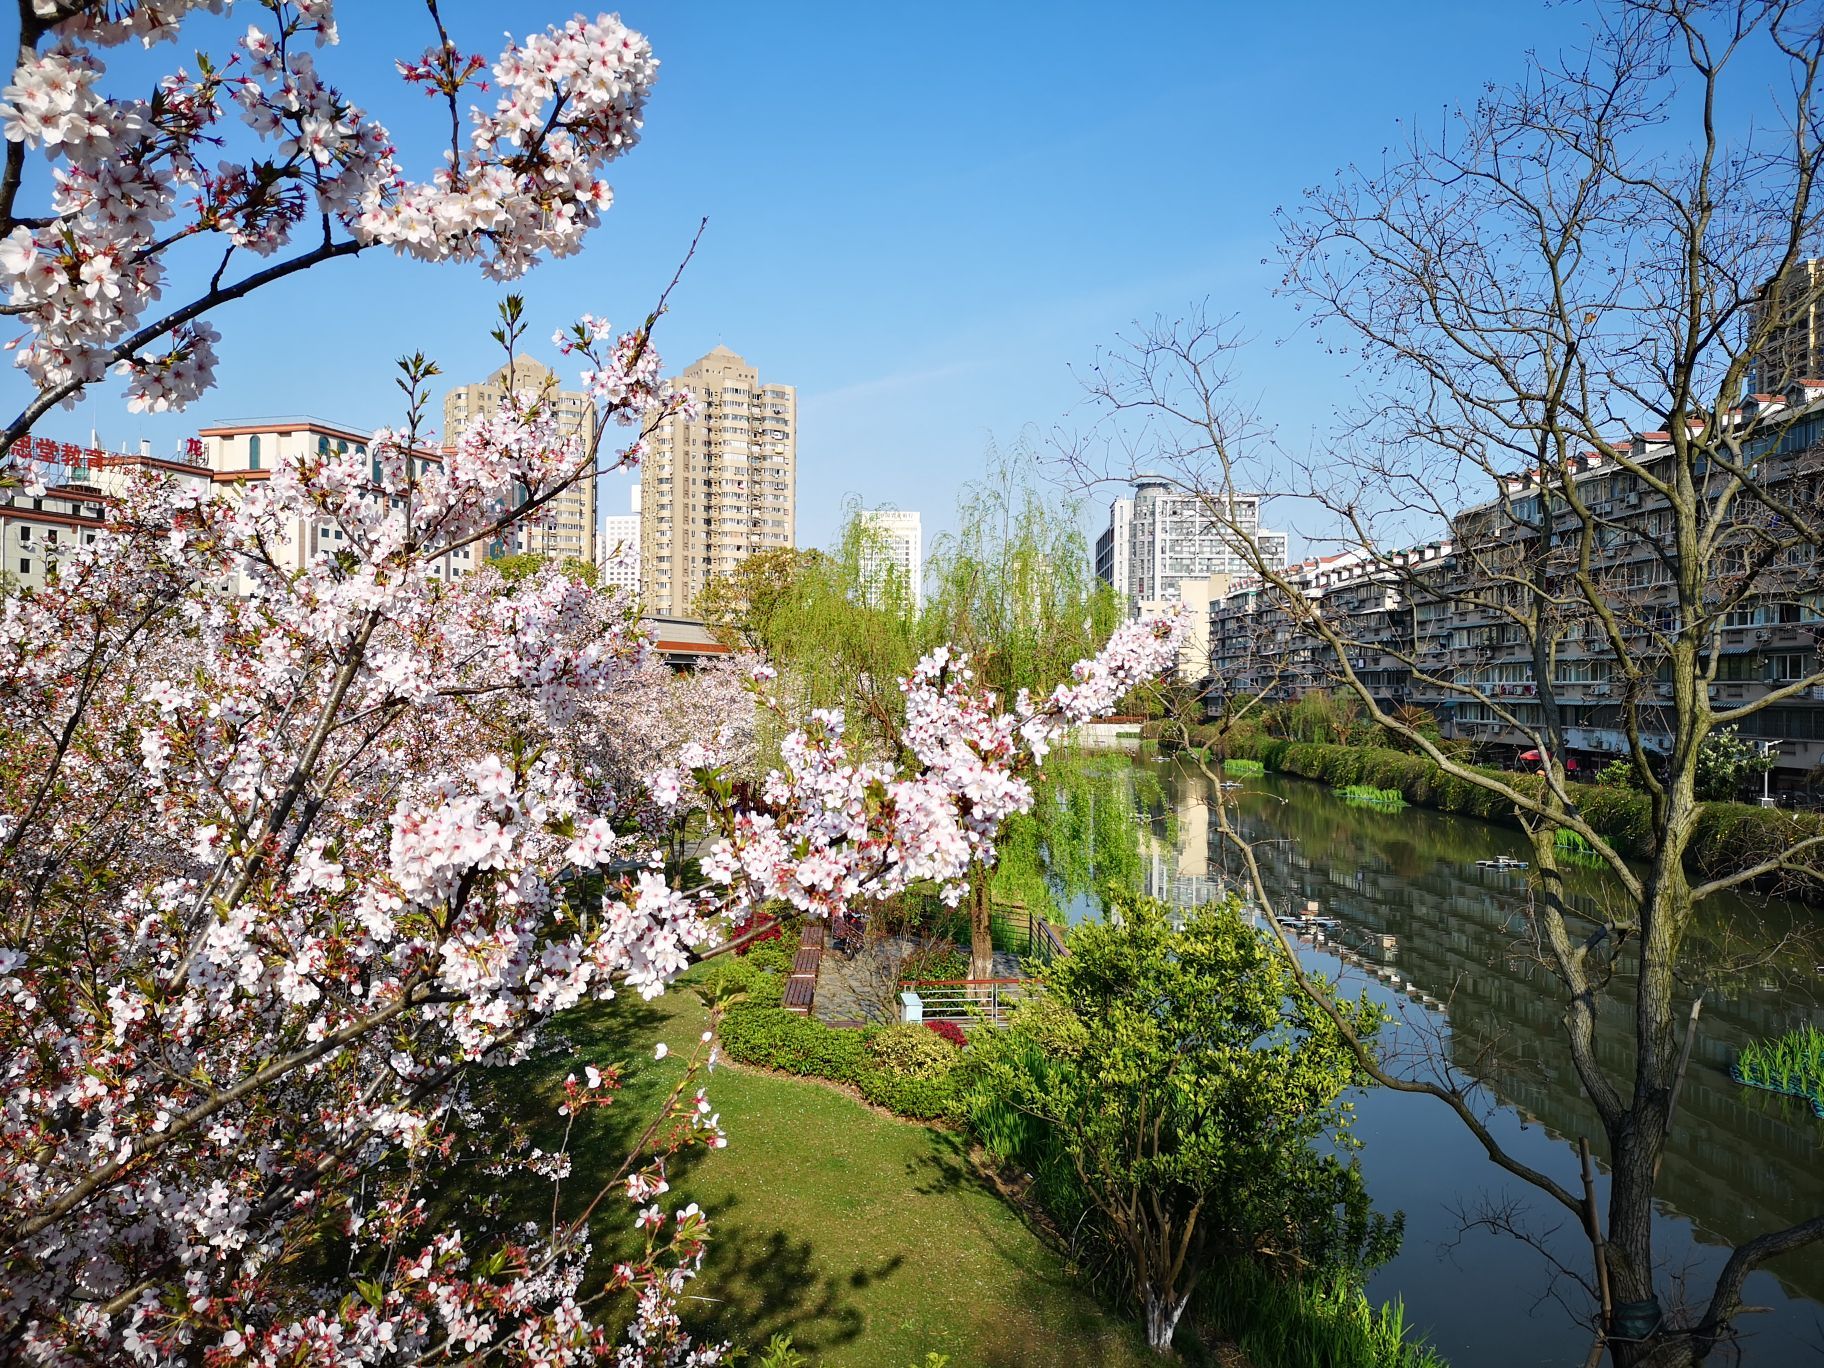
1792 310
1174 537
1113 563
900 549
620 543
720 486
568 525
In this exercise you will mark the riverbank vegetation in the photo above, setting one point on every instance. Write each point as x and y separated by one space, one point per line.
1184 1113
1792 1063
1727 836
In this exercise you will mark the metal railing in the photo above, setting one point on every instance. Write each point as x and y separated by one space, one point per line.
1039 939
963 1001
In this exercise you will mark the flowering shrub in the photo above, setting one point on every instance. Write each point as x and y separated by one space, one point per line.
948 1030
753 931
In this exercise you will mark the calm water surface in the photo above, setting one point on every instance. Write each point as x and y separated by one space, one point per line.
1439 941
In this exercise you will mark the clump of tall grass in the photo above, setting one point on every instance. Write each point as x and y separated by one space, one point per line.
1573 849
1326 1320
1245 769
1792 1063
1368 793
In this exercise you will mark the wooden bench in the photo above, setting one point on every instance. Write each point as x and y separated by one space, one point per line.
806 961
812 939
798 995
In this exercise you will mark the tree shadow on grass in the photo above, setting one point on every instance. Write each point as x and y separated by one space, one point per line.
757 1283
1061 1316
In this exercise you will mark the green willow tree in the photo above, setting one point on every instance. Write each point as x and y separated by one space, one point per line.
1013 587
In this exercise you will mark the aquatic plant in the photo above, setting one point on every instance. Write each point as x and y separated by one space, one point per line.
1368 793
1792 1063
1246 769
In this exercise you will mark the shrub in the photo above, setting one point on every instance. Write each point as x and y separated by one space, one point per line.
948 1030
774 956
910 1050
774 1038
755 984
747 924
924 1097
1729 836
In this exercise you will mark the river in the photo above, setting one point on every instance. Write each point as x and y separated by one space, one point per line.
1439 941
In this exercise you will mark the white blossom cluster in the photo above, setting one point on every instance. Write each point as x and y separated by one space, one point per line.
133 179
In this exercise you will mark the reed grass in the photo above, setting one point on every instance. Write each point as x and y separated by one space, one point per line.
1327 1321
1246 769
1792 1063
1368 793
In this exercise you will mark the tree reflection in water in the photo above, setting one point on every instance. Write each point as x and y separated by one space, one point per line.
1411 904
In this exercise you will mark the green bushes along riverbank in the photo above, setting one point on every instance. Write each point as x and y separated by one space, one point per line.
1729 836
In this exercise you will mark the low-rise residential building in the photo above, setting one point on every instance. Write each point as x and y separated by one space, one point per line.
246 450
37 530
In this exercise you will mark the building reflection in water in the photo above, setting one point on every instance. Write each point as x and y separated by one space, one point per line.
1414 911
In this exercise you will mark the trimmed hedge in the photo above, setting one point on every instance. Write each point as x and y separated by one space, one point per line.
771 1037
757 1030
1729 836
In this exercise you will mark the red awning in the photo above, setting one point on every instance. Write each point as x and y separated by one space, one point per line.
1529 755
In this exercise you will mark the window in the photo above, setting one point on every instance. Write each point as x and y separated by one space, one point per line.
322 446
25 565
1785 668
25 534
253 453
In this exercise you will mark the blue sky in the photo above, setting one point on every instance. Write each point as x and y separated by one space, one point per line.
922 216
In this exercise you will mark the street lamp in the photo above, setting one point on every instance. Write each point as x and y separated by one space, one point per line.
1768 749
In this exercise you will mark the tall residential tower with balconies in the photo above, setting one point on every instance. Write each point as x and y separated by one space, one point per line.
719 486
567 531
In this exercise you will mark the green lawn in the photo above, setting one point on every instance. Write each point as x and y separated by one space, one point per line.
868 1240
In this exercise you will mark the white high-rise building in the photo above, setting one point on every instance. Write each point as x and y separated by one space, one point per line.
1114 562
902 549
620 543
1175 538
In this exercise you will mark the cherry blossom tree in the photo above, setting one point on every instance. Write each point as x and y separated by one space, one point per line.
288 856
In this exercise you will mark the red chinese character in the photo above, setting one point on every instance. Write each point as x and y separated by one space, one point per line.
70 452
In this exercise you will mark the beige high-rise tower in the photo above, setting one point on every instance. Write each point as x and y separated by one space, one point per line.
718 488
570 533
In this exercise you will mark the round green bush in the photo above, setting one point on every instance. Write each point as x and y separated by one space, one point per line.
910 1051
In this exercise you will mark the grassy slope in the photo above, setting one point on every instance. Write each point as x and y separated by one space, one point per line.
869 1240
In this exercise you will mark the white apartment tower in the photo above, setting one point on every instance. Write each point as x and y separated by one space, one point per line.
568 530
1174 537
900 548
620 543
718 487
1114 563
